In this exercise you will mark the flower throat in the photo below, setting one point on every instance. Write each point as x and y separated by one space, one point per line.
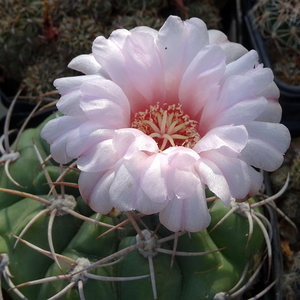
167 125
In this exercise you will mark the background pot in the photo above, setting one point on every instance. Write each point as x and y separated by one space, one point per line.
251 38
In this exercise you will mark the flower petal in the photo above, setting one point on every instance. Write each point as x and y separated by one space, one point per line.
266 146
212 176
91 134
104 102
256 179
179 42
98 158
87 64
186 214
235 172
200 82
94 188
233 106
272 113
125 191
145 29
129 141
230 136
110 56
69 88
233 51
143 66
183 183
180 177
181 157
242 65
57 133
154 179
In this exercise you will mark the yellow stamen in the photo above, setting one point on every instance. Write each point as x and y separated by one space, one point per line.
168 126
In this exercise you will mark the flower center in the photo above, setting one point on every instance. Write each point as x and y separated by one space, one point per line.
167 125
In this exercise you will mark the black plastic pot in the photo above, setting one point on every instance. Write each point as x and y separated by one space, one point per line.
289 94
250 37
277 261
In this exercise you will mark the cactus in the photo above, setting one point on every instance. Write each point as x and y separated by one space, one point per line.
278 23
207 10
21 24
39 38
279 20
138 5
137 19
53 246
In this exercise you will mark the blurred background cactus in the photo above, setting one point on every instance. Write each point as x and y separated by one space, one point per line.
279 23
21 24
39 37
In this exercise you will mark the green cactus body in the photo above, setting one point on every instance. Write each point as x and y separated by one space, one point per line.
13 219
77 243
207 275
85 245
26 169
167 280
199 277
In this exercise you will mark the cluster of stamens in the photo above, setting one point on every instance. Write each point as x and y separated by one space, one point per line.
167 125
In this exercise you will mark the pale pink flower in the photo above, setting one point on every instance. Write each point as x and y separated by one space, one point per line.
159 116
